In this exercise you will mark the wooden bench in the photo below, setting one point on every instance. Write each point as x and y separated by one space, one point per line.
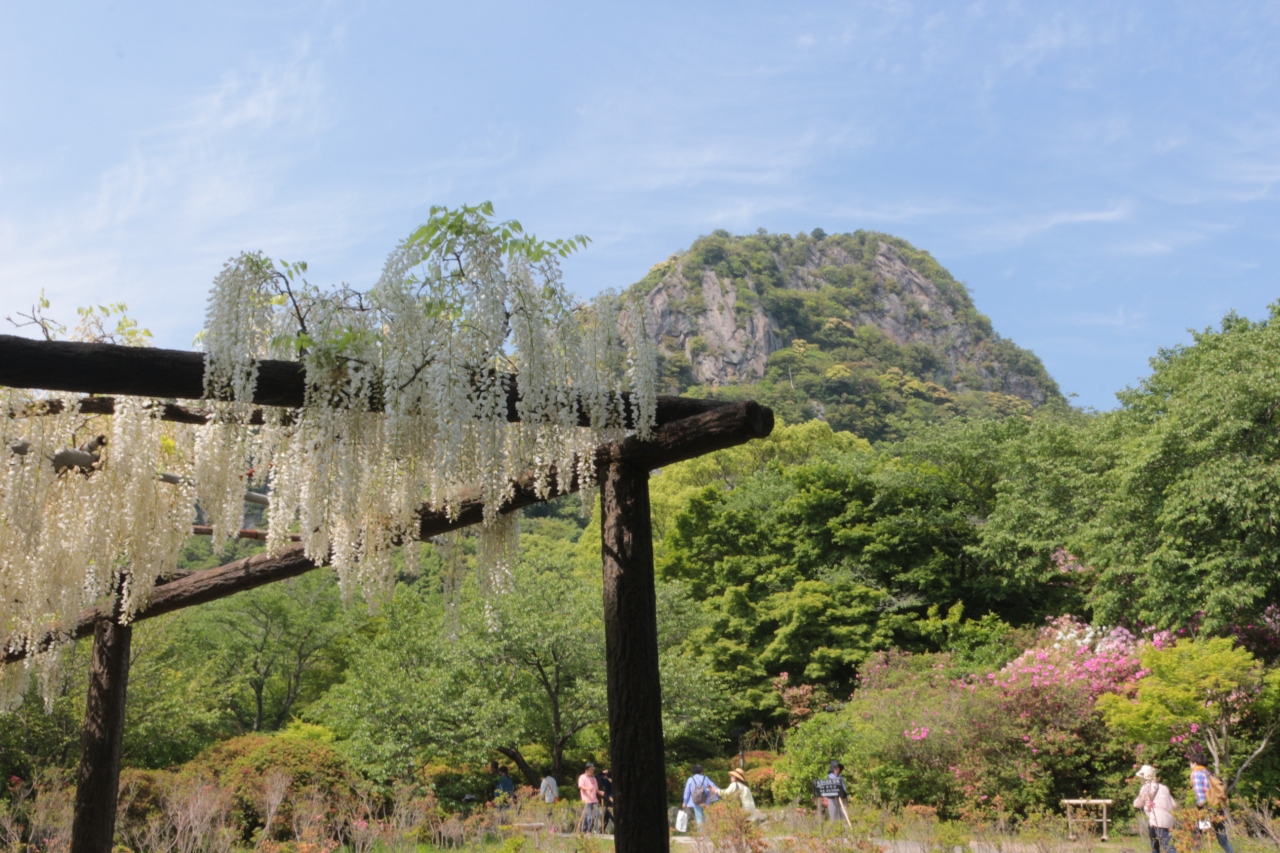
1073 817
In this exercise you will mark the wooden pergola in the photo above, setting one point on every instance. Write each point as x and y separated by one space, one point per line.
685 429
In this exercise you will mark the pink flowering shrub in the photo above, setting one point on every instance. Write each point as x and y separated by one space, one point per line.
1025 735
800 700
1072 654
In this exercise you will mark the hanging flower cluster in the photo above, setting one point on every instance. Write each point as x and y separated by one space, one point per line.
466 365
409 387
81 523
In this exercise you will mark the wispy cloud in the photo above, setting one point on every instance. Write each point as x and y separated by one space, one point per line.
1032 224
1144 247
905 211
207 180
1119 317
199 165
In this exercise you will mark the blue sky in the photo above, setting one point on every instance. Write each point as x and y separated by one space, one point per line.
1103 175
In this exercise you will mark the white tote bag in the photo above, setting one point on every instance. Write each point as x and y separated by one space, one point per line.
682 821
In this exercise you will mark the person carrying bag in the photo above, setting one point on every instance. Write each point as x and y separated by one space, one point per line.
1157 804
699 792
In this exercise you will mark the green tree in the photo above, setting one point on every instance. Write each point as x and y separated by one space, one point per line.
45 730
537 653
277 646
399 699
508 670
178 702
806 561
1184 525
1205 689
798 573
1017 481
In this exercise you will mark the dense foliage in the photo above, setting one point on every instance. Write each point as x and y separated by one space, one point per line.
1204 691
930 729
807 567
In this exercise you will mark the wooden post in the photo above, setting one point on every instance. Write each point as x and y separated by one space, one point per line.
98 778
631 651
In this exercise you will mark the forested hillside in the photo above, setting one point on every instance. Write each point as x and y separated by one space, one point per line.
862 330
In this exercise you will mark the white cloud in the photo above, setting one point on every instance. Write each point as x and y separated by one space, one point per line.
1029 225
200 184
1118 318
1144 247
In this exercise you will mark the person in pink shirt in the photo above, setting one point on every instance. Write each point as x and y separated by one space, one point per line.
589 790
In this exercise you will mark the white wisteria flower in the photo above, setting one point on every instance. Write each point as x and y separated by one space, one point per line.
465 366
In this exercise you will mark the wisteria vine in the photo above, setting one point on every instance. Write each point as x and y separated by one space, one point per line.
406 404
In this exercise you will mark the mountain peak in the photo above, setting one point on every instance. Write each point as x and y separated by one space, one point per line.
747 311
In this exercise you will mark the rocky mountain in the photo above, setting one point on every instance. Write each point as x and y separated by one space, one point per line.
862 329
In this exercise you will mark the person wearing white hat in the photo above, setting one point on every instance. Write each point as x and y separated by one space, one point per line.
1157 804
738 788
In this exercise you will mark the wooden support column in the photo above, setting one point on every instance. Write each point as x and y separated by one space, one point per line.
98 778
631 649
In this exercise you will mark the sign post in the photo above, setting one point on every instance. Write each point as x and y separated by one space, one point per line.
833 789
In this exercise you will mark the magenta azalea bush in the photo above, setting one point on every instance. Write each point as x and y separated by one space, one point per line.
1072 653
1014 739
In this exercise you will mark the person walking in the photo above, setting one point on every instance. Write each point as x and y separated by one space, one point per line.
738 788
699 792
589 791
549 790
1157 804
836 805
506 786
1211 794
606 799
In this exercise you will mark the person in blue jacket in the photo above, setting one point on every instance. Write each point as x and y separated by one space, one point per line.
699 791
506 787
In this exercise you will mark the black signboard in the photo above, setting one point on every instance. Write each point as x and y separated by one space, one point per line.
829 788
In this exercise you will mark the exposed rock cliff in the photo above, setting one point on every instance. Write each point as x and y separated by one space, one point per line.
854 314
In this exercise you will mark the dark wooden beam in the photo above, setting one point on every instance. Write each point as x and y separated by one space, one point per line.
631 658
93 822
181 591
168 411
246 533
179 375
720 428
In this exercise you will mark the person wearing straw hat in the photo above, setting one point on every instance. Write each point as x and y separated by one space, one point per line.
1157 804
738 788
